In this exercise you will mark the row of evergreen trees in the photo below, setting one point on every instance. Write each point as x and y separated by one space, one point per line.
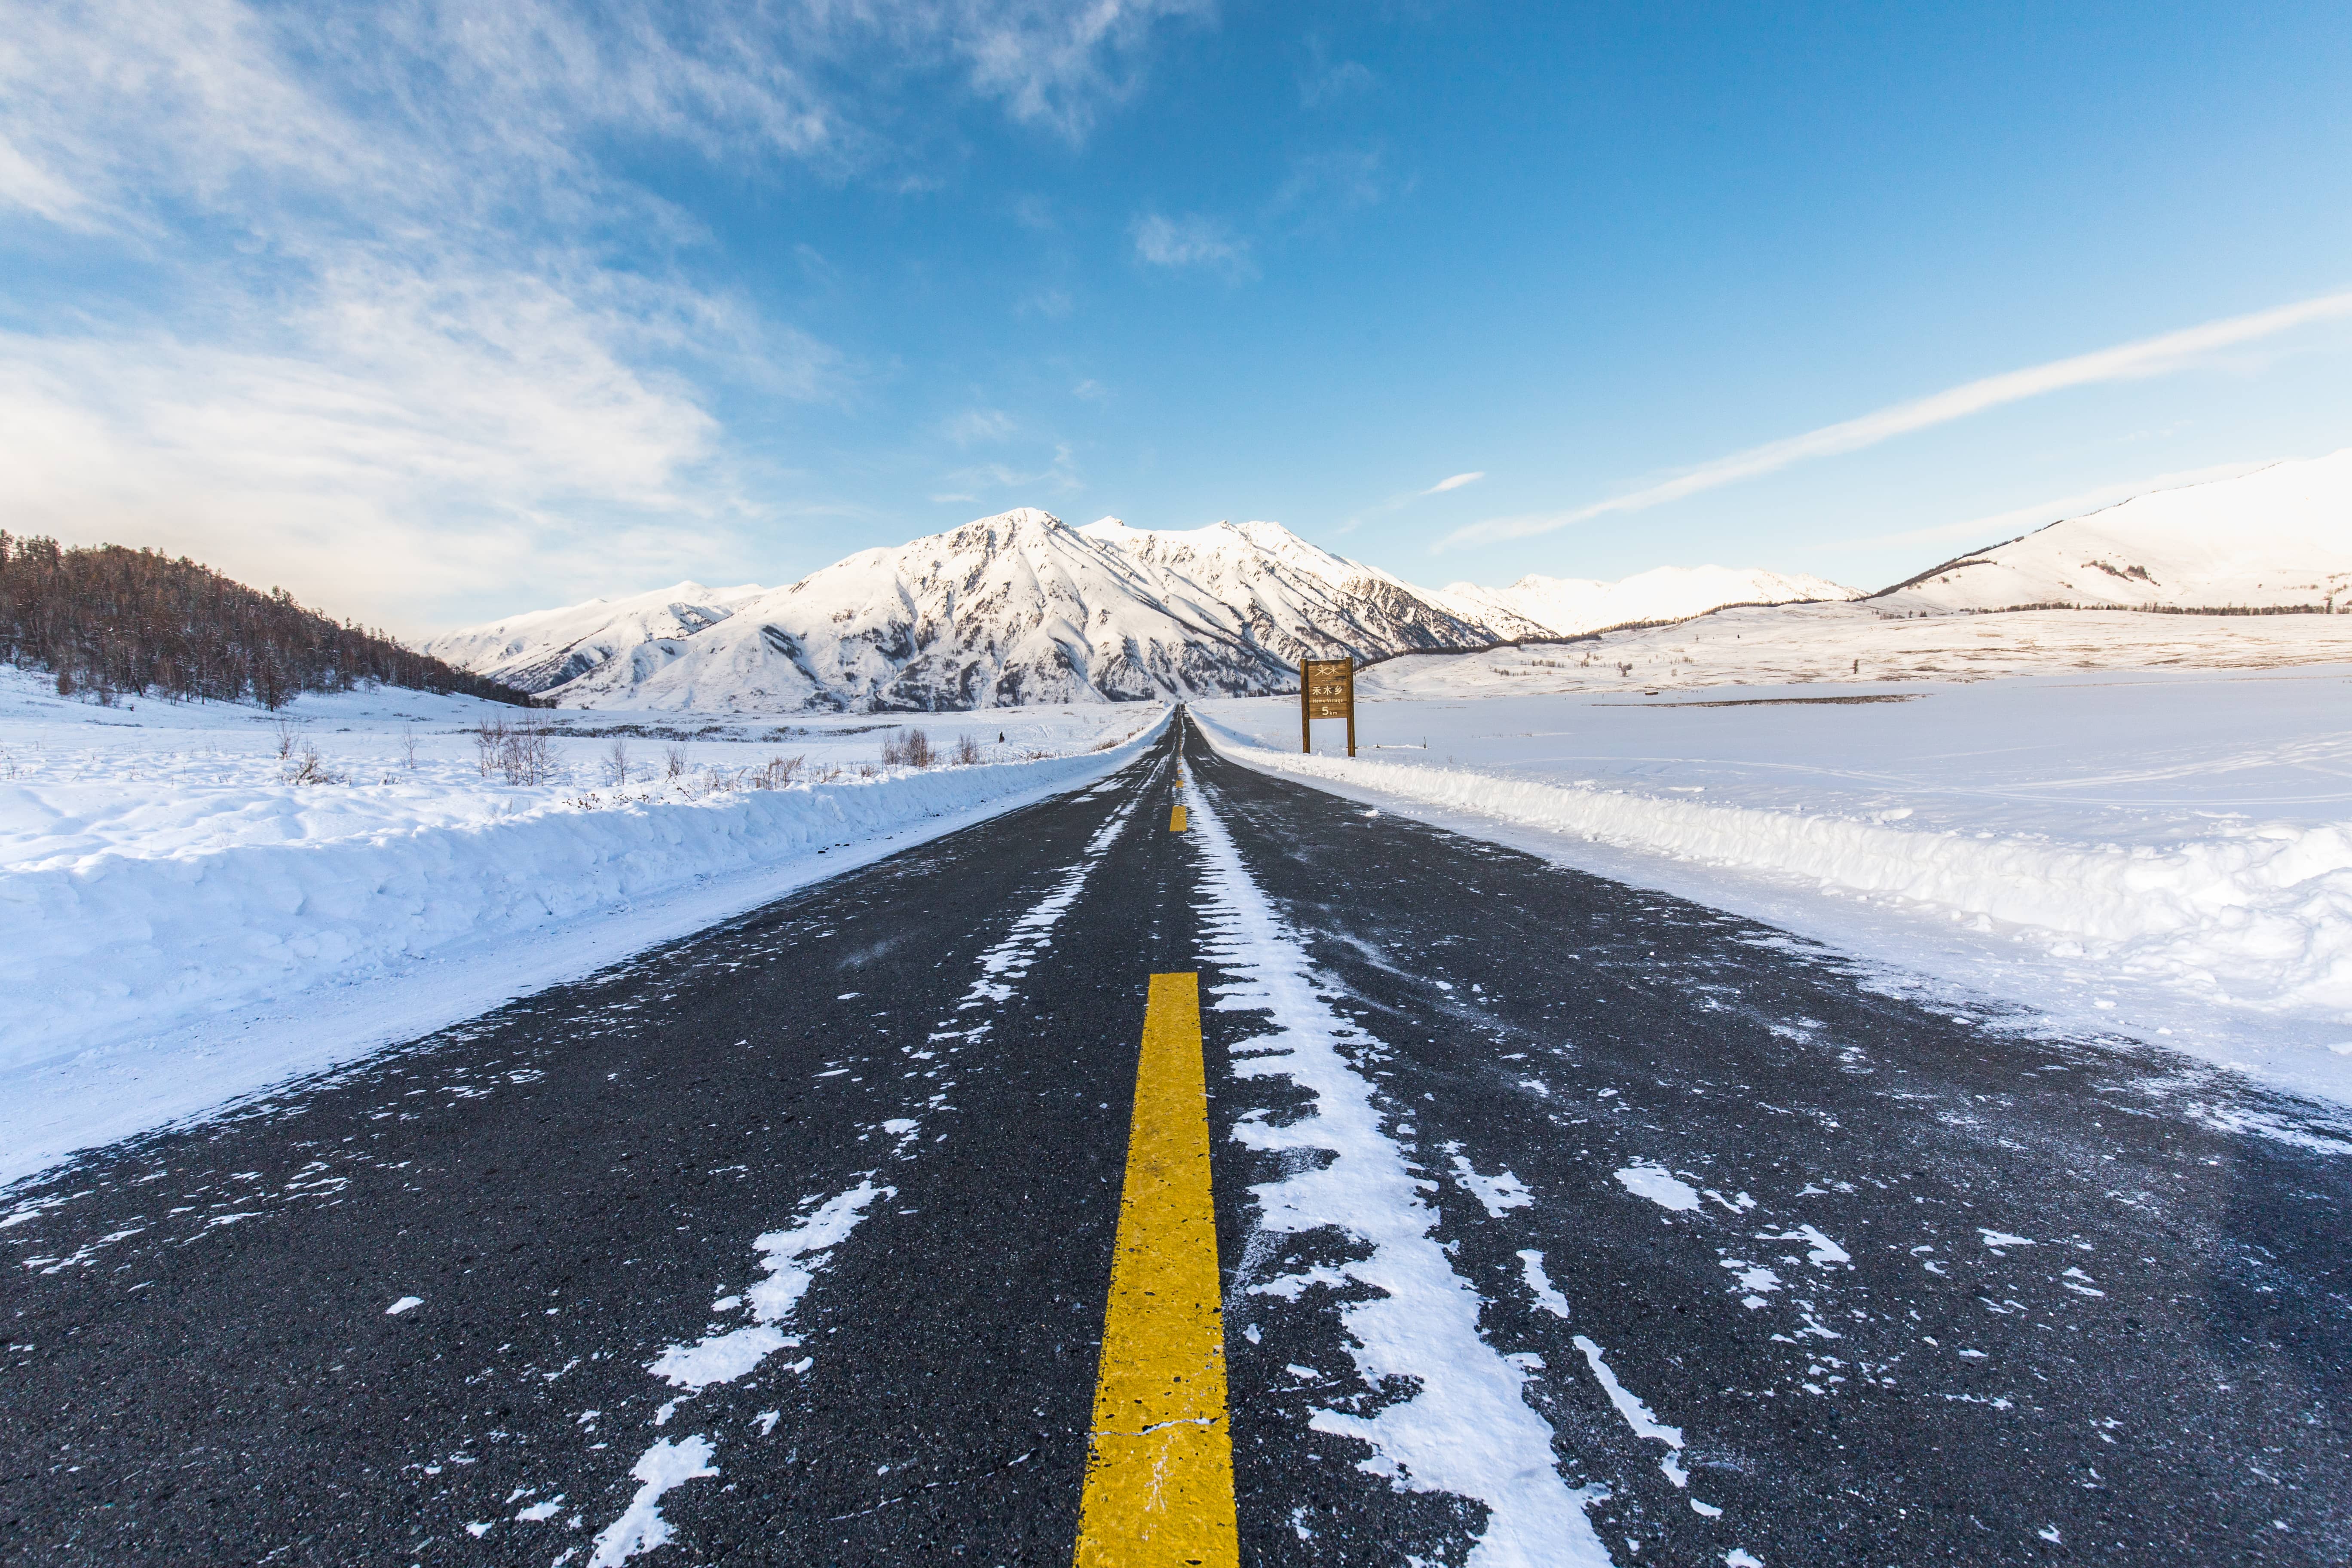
108 622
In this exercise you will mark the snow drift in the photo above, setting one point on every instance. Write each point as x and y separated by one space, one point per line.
115 946
2258 915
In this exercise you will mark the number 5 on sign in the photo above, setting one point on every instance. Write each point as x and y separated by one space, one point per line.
1327 689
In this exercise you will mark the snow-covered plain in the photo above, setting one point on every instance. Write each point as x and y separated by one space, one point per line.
2164 854
180 923
1566 605
1853 642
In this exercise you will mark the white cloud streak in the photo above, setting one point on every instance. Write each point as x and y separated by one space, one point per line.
2147 357
1999 528
1455 483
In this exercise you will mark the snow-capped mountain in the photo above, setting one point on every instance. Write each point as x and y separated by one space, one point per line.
1564 606
1292 597
545 648
1017 608
2280 535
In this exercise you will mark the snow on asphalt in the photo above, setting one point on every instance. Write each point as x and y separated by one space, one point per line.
1637 1414
1468 1429
2164 855
791 1257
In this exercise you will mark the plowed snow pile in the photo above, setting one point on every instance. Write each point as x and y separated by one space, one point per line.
2165 854
188 914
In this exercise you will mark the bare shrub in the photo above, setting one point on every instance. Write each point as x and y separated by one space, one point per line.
909 749
408 748
776 773
285 732
867 771
489 740
519 754
306 766
673 761
967 750
616 762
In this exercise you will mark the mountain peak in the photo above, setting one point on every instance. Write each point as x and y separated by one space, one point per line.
1014 608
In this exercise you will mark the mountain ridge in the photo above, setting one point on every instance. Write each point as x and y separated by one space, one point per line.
1017 608
1022 607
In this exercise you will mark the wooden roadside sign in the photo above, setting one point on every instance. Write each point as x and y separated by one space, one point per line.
1327 689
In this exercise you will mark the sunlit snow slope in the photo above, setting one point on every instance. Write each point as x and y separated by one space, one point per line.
2278 536
1565 607
1012 609
547 647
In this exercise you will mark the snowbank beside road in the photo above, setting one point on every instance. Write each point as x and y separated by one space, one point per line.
2212 866
168 945
116 943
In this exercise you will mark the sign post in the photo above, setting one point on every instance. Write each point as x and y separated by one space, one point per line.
1327 689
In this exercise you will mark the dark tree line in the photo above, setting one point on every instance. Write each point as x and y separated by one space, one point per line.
108 622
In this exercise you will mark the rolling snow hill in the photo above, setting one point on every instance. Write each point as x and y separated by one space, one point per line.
544 648
2279 536
1012 609
1565 607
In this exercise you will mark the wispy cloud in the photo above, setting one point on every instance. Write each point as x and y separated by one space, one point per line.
1323 187
1326 81
1192 240
1054 64
975 426
401 363
1399 502
1060 475
2171 351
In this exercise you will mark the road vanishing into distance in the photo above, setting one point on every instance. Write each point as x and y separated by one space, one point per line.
1202 1169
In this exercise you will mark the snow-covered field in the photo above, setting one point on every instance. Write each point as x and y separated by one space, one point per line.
2165 854
1853 642
181 921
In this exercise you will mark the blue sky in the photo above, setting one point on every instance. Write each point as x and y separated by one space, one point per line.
431 312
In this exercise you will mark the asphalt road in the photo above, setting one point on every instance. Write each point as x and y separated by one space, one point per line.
789 1242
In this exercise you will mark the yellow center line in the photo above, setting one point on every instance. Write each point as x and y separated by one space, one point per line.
1176 820
1160 1471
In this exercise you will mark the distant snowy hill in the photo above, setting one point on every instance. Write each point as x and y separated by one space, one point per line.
1011 609
545 648
1564 606
2280 535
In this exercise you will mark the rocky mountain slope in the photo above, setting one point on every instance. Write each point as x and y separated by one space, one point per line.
1012 609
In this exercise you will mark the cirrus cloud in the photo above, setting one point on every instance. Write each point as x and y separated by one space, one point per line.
2143 358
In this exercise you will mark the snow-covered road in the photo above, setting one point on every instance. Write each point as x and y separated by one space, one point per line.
1559 1222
